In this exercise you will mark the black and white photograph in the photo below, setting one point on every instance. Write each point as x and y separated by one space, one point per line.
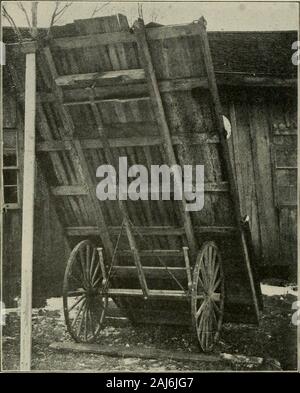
148 177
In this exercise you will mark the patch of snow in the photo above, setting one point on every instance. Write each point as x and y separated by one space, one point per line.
273 290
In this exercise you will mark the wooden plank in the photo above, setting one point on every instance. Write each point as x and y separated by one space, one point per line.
82 189
160 294
102 78
69 190
151 253
122 37
92 40
145 353
28 213
262 165
52 146
218 115
96 143
77 95
152 230
158 109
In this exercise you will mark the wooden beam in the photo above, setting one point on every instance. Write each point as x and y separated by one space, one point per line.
78 96
151 253
102 78
154 33
28 212
137 76
151 140
153 230
134 352
69 190
218 116
92 40
158 108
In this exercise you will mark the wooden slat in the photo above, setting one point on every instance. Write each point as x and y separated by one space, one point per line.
218 116
158 109
151 253
122 37
152 230
133 76
103 78
78 96
92 40
96 143
78 157
69 190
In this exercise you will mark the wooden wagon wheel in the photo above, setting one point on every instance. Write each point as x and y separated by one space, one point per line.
84 298
207 298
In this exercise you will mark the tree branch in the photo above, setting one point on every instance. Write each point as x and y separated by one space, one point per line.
99 8
58 13
11 22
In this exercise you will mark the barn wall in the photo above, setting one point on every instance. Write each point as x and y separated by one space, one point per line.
50 247
264 154
264 144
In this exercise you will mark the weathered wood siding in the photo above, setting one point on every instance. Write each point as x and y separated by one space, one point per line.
263 147
50 247
264 151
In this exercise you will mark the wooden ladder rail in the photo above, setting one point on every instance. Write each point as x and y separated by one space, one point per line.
157 105
76 151
217 108
121 203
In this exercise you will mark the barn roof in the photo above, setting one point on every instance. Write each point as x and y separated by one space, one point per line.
253 52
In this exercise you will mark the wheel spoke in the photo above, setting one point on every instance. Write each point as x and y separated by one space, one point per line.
88 261
209 267
78 313
200 309
216 285
92 263
92 323
215 306
216 272
83 267
204 276
95 274
75 278
81 321
76 303
201 283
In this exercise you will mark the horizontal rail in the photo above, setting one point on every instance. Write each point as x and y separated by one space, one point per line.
146 253
157 33
157 294
79 95
67 190
151 271
96 143
152 230
108 77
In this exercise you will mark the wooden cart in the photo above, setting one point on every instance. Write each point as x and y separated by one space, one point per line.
150 94
207 272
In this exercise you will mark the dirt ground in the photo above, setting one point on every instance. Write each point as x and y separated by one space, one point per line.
274 339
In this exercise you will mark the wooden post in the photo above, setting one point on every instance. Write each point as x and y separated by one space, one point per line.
28 207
